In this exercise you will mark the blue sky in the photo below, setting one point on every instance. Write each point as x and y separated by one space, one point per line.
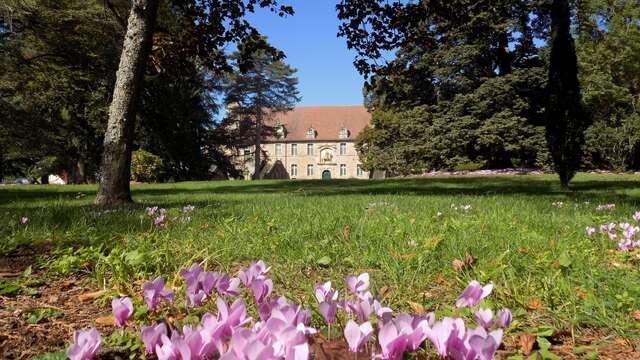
324 64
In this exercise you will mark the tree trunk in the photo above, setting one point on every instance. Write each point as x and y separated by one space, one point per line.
81 171
116 161
258 145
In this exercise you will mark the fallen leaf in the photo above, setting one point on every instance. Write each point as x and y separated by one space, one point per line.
457 265
412 221
384 291
106 321
581 293
636 315
91 296
439 279
346 230
9 274
526 342
523 250
407 256
417 308
139 282
469 259
534 304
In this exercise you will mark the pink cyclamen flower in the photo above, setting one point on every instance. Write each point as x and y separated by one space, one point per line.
152 210
357 284
485 347
324 292
441 331
261 289
484 318
85 345
154 291
122 309
590 230
188 208
24 220
504 318
152 336
256 270
472 295
357 335
328 311
636 216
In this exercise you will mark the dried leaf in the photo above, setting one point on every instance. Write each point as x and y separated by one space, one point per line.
534 304
91 296
439 279
9 274
106 321
384 291
636 315
526 342
469 259
412 221
346 230
417 308
407 256
457 265
581 293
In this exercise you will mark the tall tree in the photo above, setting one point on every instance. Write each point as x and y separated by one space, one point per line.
115 172
566 120
213 23
261 86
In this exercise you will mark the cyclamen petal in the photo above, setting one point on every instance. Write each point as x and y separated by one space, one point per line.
486 347
328 311
85 345
357 284
473 293
154 291
484 318
122 309
590 230
152 336
357 335
504 318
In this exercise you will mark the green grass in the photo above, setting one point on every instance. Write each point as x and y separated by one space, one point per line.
311 231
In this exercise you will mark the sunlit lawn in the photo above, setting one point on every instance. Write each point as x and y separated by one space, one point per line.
404 232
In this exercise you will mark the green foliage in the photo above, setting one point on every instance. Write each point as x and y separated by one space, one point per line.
491 126
609 60
36 316
145 166
61 355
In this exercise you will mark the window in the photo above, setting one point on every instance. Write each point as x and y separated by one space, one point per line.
294 149
360 172
309 149
311 133
343 149
278 149
343 170
344 133
294 170
309 170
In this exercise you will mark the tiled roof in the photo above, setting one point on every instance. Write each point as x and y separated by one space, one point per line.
326 120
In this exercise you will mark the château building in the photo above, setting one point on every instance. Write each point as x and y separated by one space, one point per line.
310 142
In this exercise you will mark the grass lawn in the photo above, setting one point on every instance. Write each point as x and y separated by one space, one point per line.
404 232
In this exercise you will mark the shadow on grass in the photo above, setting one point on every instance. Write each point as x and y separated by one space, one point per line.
586 188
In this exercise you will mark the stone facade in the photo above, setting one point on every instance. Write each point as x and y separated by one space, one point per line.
311 143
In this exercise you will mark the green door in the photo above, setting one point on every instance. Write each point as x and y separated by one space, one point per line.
326 175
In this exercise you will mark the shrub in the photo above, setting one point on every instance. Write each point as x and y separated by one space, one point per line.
145 166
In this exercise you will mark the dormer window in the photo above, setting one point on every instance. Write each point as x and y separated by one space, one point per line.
281 132
344 133
311 133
